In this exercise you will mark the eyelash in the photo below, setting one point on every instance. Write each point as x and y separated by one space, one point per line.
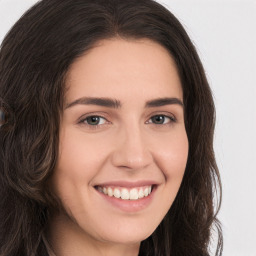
84 121
171 119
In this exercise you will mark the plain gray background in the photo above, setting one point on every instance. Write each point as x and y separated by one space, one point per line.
224 32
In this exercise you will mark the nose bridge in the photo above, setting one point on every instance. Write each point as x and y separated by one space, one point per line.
132 149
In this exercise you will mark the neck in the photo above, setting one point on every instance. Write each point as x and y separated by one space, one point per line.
67 238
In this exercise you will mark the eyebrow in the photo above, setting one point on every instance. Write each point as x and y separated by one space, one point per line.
163 101
105 102
113 103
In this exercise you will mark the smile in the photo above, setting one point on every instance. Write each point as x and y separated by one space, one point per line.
126 193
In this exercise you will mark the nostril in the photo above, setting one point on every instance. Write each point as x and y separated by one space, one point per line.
127 159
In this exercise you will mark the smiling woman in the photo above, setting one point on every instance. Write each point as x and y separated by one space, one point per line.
107 148
141 146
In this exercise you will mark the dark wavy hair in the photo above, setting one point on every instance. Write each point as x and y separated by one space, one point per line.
35 57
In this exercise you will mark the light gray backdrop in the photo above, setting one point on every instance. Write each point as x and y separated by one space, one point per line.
224 32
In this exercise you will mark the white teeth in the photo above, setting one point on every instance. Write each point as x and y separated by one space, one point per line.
117 193
134 194
110 192
125 193
141 193
146 191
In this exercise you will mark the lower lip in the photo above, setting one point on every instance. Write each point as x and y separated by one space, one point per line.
129 205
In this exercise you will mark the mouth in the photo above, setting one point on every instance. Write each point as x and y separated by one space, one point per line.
129 197
126 193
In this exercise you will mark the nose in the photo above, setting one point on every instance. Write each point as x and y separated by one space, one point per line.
131 151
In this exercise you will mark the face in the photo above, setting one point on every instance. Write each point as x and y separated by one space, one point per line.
123 143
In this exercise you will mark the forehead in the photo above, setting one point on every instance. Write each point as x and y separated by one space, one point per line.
123 67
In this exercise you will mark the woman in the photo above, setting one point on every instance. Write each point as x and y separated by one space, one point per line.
106 135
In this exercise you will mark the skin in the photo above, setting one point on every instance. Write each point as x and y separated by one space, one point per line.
127 145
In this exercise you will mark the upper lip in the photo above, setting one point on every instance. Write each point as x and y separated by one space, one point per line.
127 184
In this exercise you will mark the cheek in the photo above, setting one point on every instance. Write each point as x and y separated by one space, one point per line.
172 155
77 166
77 156
171 159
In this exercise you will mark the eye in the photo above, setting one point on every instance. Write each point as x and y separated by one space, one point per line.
94 120
161 119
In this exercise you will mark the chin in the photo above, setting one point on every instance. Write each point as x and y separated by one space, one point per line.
124 235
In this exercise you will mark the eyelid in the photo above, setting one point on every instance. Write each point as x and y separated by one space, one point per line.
96 113
82 120
172 117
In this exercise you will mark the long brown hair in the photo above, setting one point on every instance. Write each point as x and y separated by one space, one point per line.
34 59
